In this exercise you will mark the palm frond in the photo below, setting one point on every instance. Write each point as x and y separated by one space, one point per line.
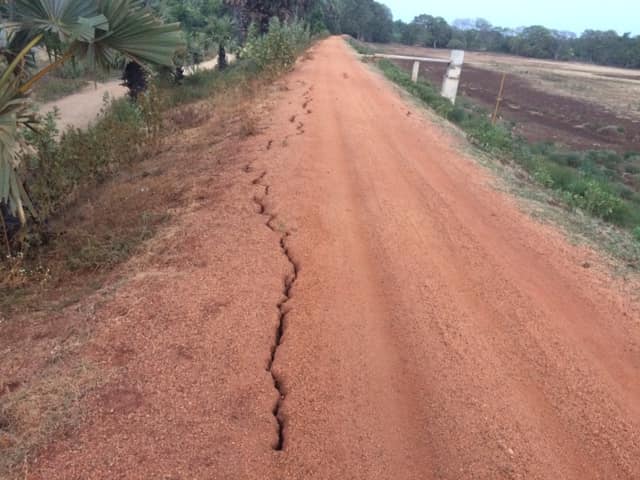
136 33
15 112
54 16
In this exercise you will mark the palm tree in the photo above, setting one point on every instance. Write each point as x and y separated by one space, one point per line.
99 31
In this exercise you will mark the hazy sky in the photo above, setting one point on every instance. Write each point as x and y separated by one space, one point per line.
571 15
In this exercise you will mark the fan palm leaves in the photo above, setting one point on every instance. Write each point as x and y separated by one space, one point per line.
99 31
15 113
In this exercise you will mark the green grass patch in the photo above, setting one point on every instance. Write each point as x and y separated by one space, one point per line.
360 47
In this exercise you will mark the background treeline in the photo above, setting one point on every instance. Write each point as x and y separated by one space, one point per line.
601 47
212 21
372 21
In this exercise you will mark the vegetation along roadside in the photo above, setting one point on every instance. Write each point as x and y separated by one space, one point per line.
54 173
98 196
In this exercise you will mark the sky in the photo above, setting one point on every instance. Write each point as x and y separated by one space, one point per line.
571 15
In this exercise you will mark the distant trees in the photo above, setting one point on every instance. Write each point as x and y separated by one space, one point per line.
425 30
601 47
260 12
207 25
366 20
536 42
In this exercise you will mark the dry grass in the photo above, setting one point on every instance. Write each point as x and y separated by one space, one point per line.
188 116
50 406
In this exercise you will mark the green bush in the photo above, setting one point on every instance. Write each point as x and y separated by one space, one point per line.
492 138
632 168
55 169
636 233
457 115
596 198
277 50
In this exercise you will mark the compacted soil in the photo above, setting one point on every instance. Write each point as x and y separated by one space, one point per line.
348 297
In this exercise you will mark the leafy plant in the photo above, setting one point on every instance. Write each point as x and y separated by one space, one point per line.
98 31
276 50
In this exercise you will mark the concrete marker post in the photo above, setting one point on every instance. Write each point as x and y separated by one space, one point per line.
416 71
452 77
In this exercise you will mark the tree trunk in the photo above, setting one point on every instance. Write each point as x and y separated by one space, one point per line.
222 57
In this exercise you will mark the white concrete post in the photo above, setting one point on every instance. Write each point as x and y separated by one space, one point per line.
452 77
416 71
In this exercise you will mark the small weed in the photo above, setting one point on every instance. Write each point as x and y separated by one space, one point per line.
187 117
49 405
248 125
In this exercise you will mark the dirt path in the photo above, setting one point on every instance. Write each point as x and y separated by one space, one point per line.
353 300
80 109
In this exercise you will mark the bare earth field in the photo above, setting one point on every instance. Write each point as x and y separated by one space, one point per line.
340 293
581 106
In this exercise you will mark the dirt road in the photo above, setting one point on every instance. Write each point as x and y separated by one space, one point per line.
359 303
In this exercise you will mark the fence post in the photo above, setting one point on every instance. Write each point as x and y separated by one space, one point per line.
494 117
416 71
452 77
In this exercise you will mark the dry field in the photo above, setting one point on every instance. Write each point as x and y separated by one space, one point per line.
579 105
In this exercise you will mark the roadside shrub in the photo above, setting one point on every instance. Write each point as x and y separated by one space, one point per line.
492 138
596 198
277 50
457 115
636 233
607 158
56 169
423 90
571 159
632 168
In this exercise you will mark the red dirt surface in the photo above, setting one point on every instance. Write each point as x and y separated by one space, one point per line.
541 116
350 298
